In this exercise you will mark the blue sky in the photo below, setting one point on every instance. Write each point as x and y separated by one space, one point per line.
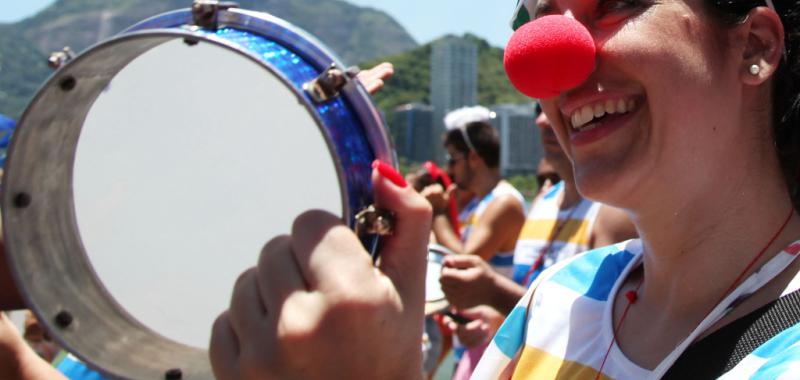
15 10
425 20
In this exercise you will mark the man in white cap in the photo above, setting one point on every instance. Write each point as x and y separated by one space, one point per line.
491 222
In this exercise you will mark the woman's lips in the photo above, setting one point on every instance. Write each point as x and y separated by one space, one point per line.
600 128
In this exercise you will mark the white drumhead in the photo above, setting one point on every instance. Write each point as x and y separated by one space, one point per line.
187 164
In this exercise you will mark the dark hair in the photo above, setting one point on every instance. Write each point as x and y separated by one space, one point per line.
482 136
423 179
786 91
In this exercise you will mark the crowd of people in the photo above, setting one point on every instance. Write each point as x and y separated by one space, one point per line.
683 134
496 251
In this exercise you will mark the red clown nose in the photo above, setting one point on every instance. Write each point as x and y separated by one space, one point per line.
549 55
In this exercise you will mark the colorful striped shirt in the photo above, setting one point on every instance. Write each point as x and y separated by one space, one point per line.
568 329
502 262
572 228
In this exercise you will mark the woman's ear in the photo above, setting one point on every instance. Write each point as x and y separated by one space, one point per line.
764 45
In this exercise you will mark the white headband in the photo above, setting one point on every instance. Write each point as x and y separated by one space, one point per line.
460 118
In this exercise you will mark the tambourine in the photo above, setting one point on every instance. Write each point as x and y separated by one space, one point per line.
144 177
435 300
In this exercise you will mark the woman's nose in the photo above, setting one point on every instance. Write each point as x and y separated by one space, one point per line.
549 55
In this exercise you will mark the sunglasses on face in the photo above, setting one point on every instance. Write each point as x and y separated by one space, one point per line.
451 160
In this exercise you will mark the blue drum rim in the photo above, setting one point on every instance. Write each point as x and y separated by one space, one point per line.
261 23
308 47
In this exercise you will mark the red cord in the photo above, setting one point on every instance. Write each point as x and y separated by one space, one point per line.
631 301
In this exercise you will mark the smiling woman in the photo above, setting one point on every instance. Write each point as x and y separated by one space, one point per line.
690 100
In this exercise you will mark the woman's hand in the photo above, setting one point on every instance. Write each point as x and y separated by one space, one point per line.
316 308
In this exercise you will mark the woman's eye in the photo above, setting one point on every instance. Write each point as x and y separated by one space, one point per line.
606 6
611 11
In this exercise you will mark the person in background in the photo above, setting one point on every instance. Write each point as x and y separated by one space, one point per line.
491 221
546 175
559 225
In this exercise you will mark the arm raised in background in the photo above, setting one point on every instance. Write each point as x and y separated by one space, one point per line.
373 78
442 228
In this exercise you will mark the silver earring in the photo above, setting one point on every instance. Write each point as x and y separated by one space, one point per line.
755 69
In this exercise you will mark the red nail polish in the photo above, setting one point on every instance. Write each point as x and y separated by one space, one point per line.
389 173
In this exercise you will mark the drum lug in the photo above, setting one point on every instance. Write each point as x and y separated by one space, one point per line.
204 12
374 221
328 84
371 225
59 58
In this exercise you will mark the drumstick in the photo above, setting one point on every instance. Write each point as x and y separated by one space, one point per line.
457 318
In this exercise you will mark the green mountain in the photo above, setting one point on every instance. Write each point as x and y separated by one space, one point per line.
411 81
370 37
23 68
355 33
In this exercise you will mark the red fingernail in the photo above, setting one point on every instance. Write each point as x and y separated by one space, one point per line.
389 173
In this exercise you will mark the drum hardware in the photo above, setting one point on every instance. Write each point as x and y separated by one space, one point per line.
173 374
67 83
190 41
328 84
205 12
64 319
22 200
374 221
59 58
371 224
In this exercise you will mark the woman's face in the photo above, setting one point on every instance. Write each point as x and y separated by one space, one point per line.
661 105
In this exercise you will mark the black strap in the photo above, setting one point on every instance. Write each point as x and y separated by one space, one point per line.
719 352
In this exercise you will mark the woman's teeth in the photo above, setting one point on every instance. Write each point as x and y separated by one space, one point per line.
582 117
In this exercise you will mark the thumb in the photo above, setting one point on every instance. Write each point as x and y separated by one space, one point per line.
404 253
